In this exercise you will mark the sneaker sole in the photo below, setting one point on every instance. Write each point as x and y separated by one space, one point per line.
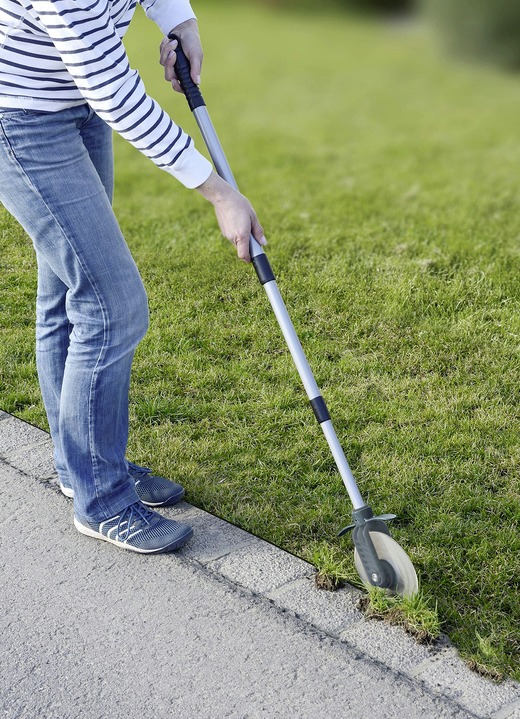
177 544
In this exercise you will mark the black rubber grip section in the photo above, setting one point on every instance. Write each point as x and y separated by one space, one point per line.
182 70
320 409
263 269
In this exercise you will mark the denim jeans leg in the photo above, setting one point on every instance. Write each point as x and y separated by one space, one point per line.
52 323
50 184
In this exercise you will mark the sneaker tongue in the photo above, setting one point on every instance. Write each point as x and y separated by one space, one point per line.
137 515
138 471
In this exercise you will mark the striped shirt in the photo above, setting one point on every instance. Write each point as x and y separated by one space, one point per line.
55 54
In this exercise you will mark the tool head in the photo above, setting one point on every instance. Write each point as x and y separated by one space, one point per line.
405 582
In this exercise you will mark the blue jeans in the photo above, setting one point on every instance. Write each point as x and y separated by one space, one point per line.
56 176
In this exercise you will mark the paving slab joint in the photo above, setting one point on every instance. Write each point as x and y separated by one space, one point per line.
507 710
225 552
437 655
20 451
280 591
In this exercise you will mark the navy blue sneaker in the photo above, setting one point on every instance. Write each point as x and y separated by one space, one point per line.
152 490
138 529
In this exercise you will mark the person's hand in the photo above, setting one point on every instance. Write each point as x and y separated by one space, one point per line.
235 215
189 34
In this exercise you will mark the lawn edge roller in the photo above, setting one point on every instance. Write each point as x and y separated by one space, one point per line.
379 559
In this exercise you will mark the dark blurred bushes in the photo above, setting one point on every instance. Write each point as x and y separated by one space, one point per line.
386 6
369 6
486 30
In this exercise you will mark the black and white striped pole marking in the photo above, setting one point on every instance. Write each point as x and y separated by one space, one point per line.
379 559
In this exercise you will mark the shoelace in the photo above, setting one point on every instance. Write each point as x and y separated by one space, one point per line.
138 471
133 518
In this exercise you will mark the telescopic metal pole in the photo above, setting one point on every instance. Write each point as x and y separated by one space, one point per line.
267 279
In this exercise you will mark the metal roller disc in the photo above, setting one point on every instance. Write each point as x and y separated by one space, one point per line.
392 552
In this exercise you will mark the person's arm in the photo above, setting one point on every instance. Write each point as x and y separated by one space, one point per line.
235 215
84 34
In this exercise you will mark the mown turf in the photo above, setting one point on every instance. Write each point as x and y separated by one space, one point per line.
387 182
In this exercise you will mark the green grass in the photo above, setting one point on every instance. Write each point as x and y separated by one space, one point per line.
387 182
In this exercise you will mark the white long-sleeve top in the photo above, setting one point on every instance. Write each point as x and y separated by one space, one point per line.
55 54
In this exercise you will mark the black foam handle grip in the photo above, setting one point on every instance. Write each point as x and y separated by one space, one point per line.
182 70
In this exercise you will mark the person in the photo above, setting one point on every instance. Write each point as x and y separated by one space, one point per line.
65 85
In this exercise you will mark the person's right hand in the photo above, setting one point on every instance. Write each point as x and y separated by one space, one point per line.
235 215
188 32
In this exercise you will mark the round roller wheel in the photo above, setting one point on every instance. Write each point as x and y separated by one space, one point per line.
389 550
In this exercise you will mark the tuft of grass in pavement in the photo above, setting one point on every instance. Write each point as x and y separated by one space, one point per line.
332 569
415 614
387 182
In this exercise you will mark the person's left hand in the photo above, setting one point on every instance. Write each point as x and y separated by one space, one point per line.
189 34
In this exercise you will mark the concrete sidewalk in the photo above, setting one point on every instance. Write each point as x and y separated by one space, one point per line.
230 626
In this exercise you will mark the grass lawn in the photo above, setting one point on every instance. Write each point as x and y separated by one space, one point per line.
387 181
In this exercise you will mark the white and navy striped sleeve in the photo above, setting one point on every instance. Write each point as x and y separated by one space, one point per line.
167 14
84 34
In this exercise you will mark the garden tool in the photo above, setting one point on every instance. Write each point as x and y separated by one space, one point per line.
379 559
